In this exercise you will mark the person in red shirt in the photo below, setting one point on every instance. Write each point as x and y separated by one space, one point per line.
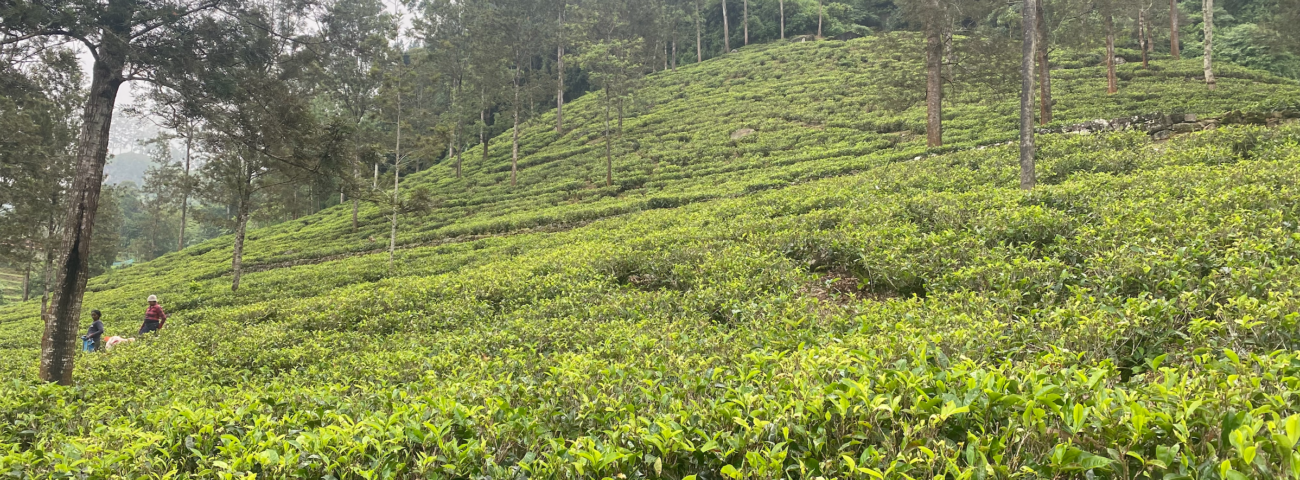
154 316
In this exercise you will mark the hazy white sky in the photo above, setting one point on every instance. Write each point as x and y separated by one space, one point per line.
127 131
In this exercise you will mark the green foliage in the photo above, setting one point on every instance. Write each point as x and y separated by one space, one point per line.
822 297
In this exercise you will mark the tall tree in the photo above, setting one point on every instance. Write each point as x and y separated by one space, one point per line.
1044 67
726 31
745 14
354 37
262 130
127 39
1142 35
699 42
933 82
1173 29
1112 82
821 12
781 6
559 69
1207 9
1029 27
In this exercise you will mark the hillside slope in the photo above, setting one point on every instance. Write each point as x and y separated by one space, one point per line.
819 109
831 306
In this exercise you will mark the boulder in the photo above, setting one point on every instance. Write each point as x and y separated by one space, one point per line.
742 133
1161 135
1184 127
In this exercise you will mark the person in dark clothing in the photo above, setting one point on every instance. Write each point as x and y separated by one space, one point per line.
154 317
93 340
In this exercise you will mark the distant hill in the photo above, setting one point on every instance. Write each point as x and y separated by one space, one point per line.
126 166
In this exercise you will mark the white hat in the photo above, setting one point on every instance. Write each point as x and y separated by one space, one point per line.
153 298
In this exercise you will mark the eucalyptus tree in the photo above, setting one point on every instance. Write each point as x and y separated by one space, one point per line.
443 27
1173 29
1207 21
181 119
610 56
354 42
1029 27
261 131
935 17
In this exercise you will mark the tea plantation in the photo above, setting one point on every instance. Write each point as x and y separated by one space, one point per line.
821 298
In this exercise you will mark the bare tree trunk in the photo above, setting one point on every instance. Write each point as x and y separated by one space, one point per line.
1044 66
482 128
27 280
820 11
1208 12
397 174
746 21
1151 48
241 228
781 6
933 85
47 271
514 147
1142 35
355 205
609 159
726 30
185 192
1029 27
559 69
1173 29
457 130
1112 83
674 55
699 42
62 319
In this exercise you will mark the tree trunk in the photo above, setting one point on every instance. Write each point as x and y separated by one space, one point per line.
781 6
1208 12
1029 27
1112 83
482 117
1044 66
397 174
699 42
745 13
355 205
559 68
1150 47
185 192
674 55
933 86
1173 29
47 272
620 115
456 127
27 280
1142 38
820 11
609 159
726 30
241 227
514 147
59 341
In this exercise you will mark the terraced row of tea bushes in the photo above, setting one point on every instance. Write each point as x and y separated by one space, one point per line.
1134 316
